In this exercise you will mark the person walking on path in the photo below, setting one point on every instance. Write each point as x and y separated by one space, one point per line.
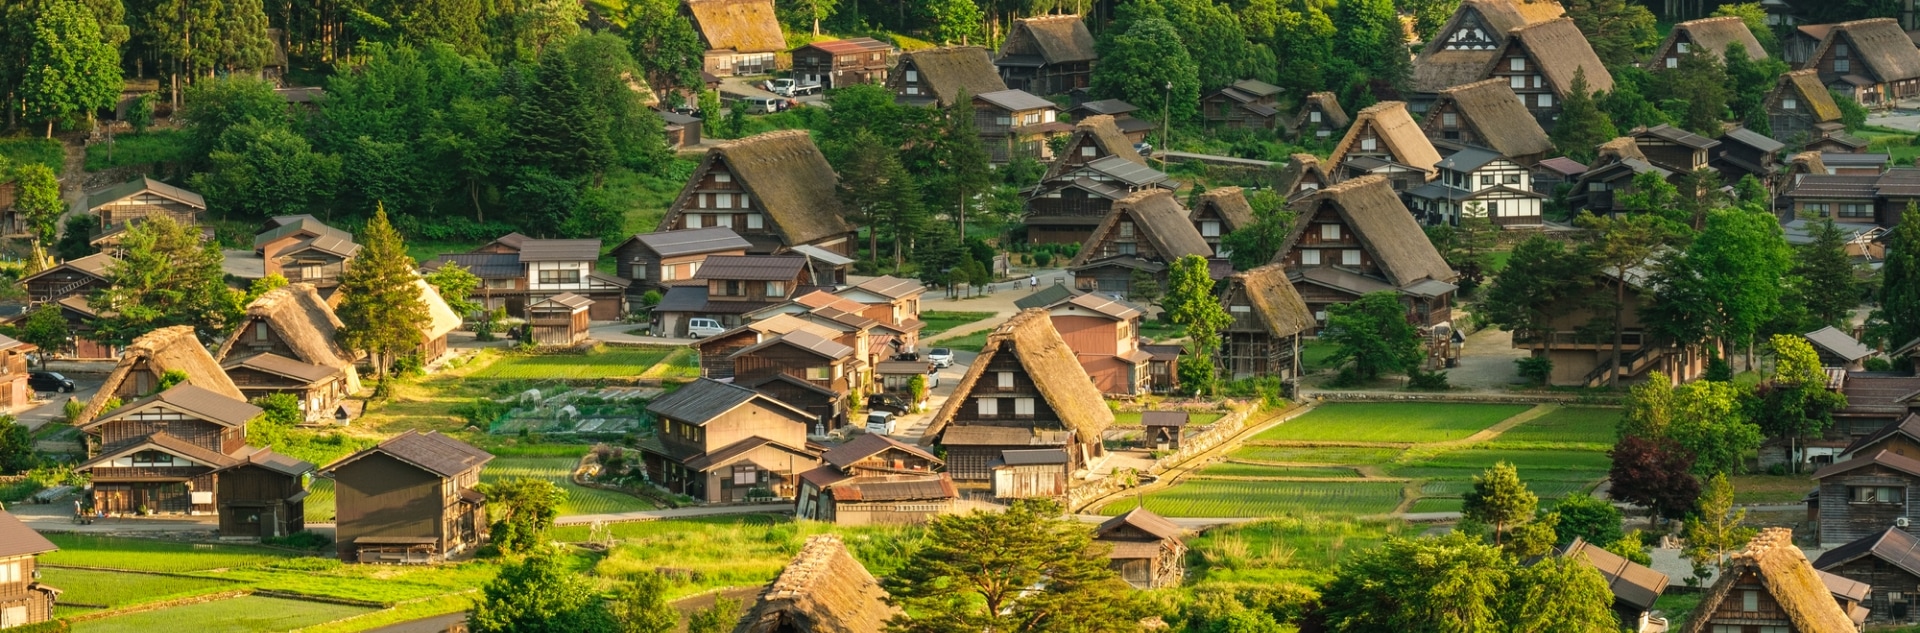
1033 284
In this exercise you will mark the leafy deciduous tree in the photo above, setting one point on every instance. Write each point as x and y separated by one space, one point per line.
1897 320
1373 332
38 201
1499 498
69 67
538 595
1655 474
166 275
1149 67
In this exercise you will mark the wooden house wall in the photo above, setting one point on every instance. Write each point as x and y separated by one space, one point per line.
1212 227
792 361
60 285
1671 155
1829 66
1898 444
378 495
1883 578
200 433
15 597
1023 386
144 205
755 291
840 70
1111 279
750 420
892 461
1219 109
915 512
779 469
1731 610
261 494
1116 241
1040 481
828 411
1307 127
258 335
1331 251
1530 86
308 266
1842 520
1795 127
725 204
1093 335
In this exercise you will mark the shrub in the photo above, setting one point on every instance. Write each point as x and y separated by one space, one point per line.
651 298
1536 369
1878 364
1427 380
299 540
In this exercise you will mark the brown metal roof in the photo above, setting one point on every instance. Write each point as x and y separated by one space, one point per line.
692 241
1899 182
918 488
1894 546
559 250
869 445
751 267
205 404
1163 418
283 366
1141 519
16 539
266 458
1109 307
855 45
430 451
166 442
703 399
804 340
892 287
566 300
1673 134
1630 582
1833 186
1888 459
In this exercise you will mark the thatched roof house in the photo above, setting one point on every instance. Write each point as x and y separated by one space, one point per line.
1786 583
1228 206
1269 317
1800 108
1303 173
1154 215
1877 54
1053 404
1557 49
938 76
824 590
1057 39
780 174
149 358
1320 114
1458 52
1099 132
1387 131
1383 227
1030 338
296 320
1705 35
1488 114
741 26
442 320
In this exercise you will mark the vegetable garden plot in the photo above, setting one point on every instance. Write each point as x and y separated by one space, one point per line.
559 470
614 410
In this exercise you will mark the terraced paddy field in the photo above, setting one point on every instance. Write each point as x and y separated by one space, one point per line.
1354 455
119 589
1224 498
1568 424
79 550
234 615
559 470
1241 469
1387 422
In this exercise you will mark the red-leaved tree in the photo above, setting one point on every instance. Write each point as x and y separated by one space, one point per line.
1656 475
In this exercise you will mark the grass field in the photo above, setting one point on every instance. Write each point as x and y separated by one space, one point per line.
1132 418
1392 422
971 342
150 555
320 501
328 578
608 362
1218 498
1316 455
735 550
1770 489
119 589
1567 424
28 149
156 146
558 470
940 321
1230 469
1314 354
237 615
1286 549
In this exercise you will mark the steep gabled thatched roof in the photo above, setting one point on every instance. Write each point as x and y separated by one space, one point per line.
1231 204
1057 39
1273 299
824 590
443 320
1712 35
1107 139
948 71
160 351
1399 135
1618 149
1804 86
745 26
1331 112
306 323
1052 366
789 178
1159 218
1496 114
1378 219
1558 49
1299 167
1787 576
1437 69
1879 44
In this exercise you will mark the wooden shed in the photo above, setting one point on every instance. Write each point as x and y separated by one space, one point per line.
1888 564
559 320
824 590
1030 474
1147 550
1163 429
409 500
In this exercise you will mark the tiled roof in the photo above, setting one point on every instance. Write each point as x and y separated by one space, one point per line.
751 267
16 539
559 250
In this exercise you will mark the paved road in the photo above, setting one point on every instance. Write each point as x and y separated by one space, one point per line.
435 624
54 409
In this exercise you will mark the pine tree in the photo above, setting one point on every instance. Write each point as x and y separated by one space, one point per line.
381 309
243 41
556 125
1701 81
1716 529
1897 320
1582 126
1827 287
1499 498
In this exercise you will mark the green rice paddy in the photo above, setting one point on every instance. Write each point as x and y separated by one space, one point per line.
1222 498
235 615
1392 422
610 362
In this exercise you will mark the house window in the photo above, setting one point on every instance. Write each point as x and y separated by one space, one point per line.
1023 407
1005 379
1596 186
1512 179
1876 494
1240 309
1673 62
1310 257
10 573
1817 208
756 221
1368 145
1350 257
1855 210
776 288
1842 65
1210 228
817 373
912 90
1314 116
1516 63
1749 601
1681 47
1449 119
723 201
733 288
1126 229
1087 150
1493 208
746 475
723 177
152 458
989 406
913 75
1789 103
567 276
1517 81
1128 248
1546 100
1486 180
1002 120
260 332
693 220
1330 232
1839 50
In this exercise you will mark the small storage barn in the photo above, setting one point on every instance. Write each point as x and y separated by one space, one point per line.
559 320
1147 550
824 590
1030 474
1162 429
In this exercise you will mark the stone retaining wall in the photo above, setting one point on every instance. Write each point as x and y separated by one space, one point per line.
1442 396
1220 432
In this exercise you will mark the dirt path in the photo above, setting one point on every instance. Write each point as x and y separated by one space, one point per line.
73 175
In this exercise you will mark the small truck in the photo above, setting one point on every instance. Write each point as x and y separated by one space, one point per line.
791 88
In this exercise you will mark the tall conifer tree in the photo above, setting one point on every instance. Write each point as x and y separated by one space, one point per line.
382 310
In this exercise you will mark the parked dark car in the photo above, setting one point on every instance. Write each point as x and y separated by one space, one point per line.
887 402
49 381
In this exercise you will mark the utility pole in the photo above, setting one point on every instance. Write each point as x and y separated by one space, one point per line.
1165 122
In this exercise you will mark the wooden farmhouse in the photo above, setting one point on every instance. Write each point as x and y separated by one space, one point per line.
1269 317
1320 116
1219 212
1247 104
289 344
1798 44
1047 55
841 63
1025 392
1874 400
1635 587
1143 234
682 130
1674 149
653 261
891 301
1583 357
716 352
1550 174
939 76
411 499
72 278
875 479
1486 114
1602 187
1147 550
1838 349
1458 54
184 451
1386 141
1743 152
517 270
1098 167
1355 238
804 370
23 599
149 358
303 249
721 443
729 286
559 319
1800 109
1872 61
1863 495
1302 175
1478 183
1016 123
1888 564
1770 584
138 199
1104 335
1539 62
742 36
1705 36
1134 128
775 189
824 590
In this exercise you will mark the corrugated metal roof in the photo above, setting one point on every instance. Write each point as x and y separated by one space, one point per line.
1838 342
693 241
1034 457
281 365
1110 307
1676 135
701 400
868 445
1630 582
1132 173
1163 418
1894 546
104 195
804 340
1754 139
917 489
16 539
751 267
559 250
206 404
483 265
430 451
822 255
1106 106
1016 100
1469 159
855 45
566 300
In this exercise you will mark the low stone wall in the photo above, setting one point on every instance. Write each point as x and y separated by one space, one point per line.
1444 396
1220 432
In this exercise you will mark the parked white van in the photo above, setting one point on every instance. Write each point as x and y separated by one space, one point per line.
702 328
